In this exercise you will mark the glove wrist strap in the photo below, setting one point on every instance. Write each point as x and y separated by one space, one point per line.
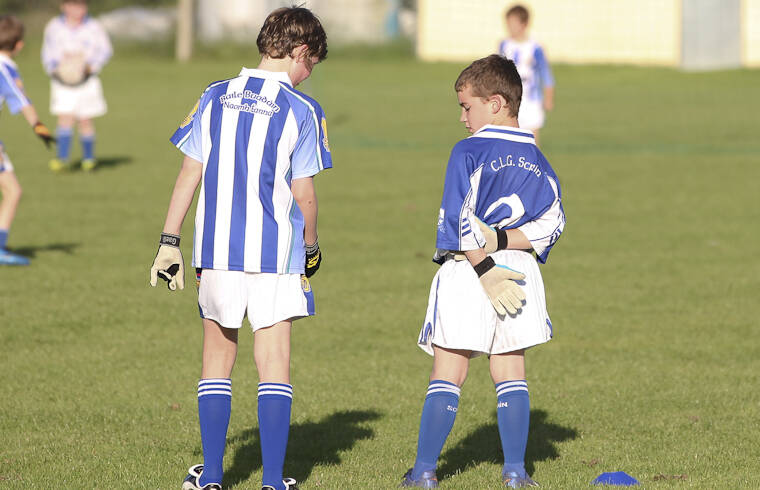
501 240
169 239
484 266
310 249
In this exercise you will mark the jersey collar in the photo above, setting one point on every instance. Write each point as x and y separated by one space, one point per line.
492 128
7 60
279 76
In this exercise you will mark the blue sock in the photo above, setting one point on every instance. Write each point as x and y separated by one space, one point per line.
275 400
88 146
513 415
214 405
438 414
3 239
63 135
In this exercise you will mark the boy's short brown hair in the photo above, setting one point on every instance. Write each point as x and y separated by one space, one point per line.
83 2
289 27
520 11
11 32
493 75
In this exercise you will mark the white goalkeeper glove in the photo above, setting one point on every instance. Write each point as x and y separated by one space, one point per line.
500 286
495 239
168 264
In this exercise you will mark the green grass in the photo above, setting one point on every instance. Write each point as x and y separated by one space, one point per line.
652 289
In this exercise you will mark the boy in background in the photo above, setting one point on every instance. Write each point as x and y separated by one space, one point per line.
255 143
531 62
12 93
74 50
479 303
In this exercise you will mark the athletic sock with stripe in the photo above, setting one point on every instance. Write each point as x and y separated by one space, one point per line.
513 416
438 414
275 400
214 406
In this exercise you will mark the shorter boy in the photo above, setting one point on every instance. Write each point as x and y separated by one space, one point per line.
479 302
12 93
74 50
536 75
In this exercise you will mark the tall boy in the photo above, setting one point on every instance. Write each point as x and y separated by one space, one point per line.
12 93
479 302
536 75
255 143
74 50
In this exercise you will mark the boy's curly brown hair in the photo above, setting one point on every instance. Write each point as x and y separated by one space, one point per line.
289 27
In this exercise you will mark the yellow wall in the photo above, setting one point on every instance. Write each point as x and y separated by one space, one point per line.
751 33
583 31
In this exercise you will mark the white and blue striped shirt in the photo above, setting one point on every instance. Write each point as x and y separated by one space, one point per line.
532 66
11 86
88 39
253 134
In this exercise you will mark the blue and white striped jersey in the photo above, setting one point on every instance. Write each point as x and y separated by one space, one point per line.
11 86
253 134
500 176
532 66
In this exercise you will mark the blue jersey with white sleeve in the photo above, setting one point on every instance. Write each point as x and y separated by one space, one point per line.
501 177
253 135
11 86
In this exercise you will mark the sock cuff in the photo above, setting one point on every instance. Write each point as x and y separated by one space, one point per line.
276 389
215 386
438 387
511 386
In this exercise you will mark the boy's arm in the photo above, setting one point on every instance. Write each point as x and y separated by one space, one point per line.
549 98
306 197
103 50
168 263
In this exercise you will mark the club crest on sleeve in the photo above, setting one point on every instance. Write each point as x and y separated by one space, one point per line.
325 143
190 116
20 85
305 284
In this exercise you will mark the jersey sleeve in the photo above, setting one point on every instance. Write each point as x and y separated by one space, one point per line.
12 89
311 154
187 138
102 48
544 231
455 231
543 68
51 55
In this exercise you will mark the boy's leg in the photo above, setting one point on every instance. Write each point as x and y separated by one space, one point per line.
215 396
272 354
87 139
10 190
64 133
513 410
440 408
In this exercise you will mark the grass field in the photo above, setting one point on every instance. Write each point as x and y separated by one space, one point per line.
653 288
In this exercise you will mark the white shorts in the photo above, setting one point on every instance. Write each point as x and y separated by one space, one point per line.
460 315
84 101
531 115
228 296
5 162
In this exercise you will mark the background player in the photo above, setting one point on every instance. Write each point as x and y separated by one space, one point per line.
256 144
74 50
536 75
12 93
482 305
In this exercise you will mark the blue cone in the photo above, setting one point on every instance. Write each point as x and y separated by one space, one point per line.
615 478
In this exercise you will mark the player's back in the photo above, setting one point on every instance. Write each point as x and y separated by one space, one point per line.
253 134
531 64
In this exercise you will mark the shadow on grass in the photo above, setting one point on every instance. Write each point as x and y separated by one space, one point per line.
110 162
309 444
484 446
31 252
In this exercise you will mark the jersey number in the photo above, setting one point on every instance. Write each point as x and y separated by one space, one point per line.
515 211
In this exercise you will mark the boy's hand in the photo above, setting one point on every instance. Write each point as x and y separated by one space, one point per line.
313 259
43 133
168 264
495 239
499 283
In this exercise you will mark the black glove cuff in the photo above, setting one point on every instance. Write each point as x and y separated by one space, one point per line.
311 249
501 240
169 239
484 266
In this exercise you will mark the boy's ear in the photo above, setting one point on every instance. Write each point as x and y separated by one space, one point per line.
497 103
300 52
19 46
